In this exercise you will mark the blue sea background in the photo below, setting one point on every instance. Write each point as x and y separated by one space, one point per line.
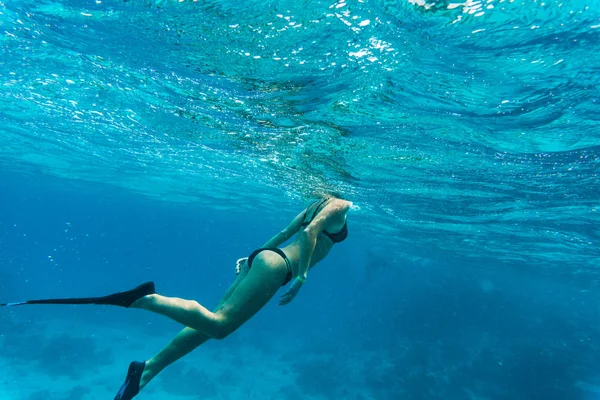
163 140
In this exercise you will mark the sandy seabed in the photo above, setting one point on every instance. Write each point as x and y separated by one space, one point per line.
53 361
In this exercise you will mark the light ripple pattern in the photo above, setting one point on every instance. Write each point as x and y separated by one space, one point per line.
467 127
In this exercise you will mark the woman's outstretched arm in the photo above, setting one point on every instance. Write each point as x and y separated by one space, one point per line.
286 233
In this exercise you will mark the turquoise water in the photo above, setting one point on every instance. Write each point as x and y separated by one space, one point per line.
140 138
475 133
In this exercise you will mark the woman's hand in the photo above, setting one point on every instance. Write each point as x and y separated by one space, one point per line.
239 264
289 295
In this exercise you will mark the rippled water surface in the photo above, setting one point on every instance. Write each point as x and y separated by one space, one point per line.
470 128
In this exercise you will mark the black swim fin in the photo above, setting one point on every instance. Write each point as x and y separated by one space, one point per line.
131 387
121 299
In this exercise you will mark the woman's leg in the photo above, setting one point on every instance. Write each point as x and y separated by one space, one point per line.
252 293
184 343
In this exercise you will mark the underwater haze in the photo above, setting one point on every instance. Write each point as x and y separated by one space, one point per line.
162 140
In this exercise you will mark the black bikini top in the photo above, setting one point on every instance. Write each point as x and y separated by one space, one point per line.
334 237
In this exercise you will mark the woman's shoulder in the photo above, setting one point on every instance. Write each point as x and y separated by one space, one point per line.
340 205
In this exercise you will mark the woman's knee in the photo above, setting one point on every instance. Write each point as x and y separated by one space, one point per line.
224 327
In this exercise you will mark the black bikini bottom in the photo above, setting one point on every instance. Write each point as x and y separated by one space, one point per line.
278 251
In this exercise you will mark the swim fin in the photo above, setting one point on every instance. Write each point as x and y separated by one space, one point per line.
121 299
131 387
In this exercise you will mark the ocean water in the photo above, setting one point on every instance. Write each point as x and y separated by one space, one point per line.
163 140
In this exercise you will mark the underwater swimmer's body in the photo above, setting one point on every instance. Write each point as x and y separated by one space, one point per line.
258 279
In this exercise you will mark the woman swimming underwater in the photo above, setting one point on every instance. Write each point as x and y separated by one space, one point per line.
318 228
